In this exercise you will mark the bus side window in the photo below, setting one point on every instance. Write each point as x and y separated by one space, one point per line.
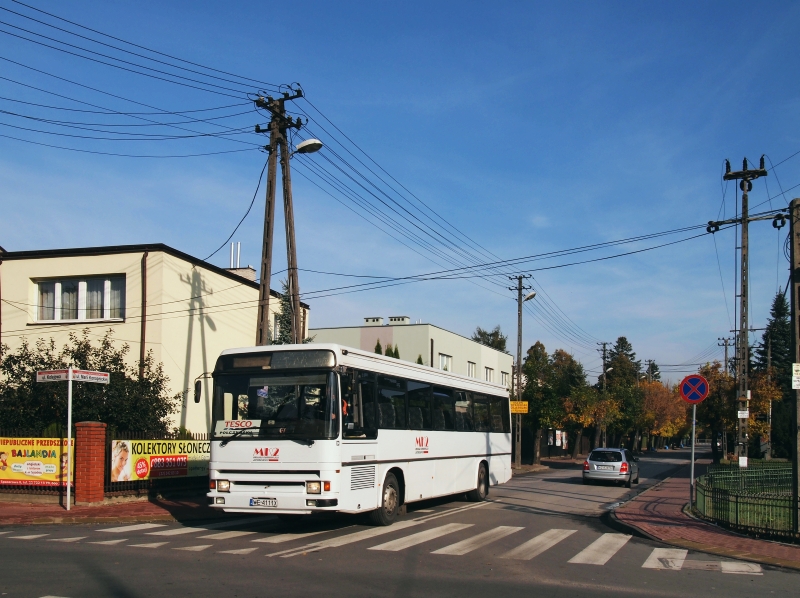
481 411
366 390
443 411
419 405
391 403
464 411
496 412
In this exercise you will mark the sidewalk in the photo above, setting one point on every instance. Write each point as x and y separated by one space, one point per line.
658 514
194 509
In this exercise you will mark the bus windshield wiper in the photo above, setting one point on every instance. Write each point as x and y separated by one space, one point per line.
237 434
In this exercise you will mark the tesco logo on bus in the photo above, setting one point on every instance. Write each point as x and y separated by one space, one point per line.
270 455
421 445
243 423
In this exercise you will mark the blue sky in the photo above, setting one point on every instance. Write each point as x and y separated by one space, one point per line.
530 127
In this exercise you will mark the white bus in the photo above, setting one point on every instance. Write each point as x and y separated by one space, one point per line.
300 429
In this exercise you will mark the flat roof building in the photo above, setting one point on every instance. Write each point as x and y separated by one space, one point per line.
435 346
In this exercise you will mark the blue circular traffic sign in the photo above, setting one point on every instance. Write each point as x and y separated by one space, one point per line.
694 389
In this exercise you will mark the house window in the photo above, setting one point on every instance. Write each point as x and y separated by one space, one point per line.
79 299
504 378
488 374
471 369
445 362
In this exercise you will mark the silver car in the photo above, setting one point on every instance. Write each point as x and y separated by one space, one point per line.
611 465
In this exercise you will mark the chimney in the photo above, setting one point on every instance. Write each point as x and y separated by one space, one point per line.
399 320
373 321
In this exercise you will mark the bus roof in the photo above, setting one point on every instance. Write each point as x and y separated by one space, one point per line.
349 356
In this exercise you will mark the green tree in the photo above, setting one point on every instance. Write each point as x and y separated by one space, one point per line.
396 351
129 403
378 348
625 369
652 371
777 340
491 338
389 351
419 359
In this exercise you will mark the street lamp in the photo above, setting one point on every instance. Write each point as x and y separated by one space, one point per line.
309 146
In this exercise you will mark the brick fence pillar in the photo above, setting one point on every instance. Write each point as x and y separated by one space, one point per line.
90 462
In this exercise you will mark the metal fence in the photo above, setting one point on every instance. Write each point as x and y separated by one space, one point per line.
755 500
30 488
153 487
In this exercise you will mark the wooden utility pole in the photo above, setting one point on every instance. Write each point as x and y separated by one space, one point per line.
794 248
518 431
279 126
725 342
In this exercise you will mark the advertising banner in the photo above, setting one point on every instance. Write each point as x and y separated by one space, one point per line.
142 459
34 461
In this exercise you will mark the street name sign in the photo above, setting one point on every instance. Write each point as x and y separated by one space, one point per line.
519 406
77 376
694 389
71 375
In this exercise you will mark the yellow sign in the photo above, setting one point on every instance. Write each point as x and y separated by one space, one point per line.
142 459
519 406
34 461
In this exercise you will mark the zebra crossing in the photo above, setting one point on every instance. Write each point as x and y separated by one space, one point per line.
410 533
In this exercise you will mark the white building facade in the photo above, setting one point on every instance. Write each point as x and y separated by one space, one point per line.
435 346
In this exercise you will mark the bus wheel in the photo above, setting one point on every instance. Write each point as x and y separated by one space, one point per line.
482 489
386 513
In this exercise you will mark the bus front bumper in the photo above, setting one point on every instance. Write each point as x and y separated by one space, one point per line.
278 504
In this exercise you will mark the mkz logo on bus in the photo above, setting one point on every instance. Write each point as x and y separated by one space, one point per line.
266 454
421 445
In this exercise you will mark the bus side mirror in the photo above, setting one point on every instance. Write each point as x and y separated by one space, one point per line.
198 391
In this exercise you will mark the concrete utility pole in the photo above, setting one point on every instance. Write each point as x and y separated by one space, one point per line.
518 432
745 178
794 248
725 342
279 126
600 429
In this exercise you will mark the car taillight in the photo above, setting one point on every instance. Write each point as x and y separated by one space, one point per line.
585 466
623 468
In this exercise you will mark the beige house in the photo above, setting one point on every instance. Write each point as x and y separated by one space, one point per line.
154 298
437 347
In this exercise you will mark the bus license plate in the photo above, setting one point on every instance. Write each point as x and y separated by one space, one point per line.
263 502
605 467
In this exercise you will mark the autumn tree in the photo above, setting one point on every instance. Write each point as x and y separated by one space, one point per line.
718 412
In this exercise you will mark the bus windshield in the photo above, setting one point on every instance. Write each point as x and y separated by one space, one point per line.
275 405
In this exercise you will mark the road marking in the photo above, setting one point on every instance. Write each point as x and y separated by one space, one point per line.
536 546
197 548
702 565
110 542
131 528
3 533
478 541
150 545
741 568
75 539
601 550
449 512
225 535
347 539
31 537
239 551
666 558
420 537
279 538
424 511
177 531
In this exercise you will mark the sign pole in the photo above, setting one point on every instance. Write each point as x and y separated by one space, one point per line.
69 435
691 475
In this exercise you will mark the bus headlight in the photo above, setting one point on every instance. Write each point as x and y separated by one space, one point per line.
313 487
223 486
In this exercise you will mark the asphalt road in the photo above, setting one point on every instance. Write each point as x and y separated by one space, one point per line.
538 534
